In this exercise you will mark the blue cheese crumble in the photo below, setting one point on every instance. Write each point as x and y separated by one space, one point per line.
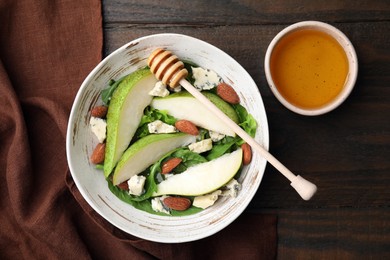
232 188
159 127
207 200
98 127
136 185
205 79
201 146
159 90
215 136
158 205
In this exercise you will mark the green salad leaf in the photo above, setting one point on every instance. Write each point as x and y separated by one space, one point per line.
228 143
124 196
221 147
112 86
188 159
150 184
150 115
247 122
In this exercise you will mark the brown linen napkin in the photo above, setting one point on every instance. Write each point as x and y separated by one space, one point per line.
46 50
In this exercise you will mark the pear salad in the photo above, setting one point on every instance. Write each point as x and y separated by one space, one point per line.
161 150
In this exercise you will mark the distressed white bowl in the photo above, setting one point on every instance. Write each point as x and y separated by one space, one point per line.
352 63
80 141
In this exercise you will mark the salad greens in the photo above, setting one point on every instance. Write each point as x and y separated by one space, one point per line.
149 116
153 174
247 122
107 93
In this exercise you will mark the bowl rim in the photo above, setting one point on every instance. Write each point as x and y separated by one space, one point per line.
70 133
351 77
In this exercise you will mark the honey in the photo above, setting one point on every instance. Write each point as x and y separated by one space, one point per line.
309 68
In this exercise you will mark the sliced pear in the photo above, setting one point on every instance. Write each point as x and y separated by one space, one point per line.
147 151
202 178
124 114
183 105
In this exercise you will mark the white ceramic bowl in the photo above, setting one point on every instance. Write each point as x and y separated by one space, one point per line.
345 44
80 141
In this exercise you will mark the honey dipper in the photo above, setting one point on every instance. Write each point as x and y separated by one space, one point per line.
171 71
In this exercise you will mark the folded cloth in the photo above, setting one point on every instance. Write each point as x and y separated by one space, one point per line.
46 50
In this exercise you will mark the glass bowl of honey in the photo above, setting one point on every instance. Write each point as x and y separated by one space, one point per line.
311 67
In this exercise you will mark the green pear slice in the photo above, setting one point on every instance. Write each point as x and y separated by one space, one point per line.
183 105
202 178
147 151
124 114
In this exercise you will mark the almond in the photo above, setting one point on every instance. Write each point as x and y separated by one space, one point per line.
187 127
177 203
227 93
97 156
171 164
246 153
99 111
123 186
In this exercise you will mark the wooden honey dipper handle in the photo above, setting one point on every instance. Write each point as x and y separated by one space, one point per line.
170 70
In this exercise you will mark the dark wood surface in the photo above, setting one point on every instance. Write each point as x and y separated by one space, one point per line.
345 152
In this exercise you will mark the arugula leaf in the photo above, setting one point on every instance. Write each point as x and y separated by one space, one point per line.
107 93
144 205
188 159
247 122
222 147
149 116
227 144
203 134
187 212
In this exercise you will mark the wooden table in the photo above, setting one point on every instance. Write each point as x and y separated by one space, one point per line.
345 152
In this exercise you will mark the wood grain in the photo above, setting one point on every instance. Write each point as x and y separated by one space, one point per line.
345 152
230 12
341 233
